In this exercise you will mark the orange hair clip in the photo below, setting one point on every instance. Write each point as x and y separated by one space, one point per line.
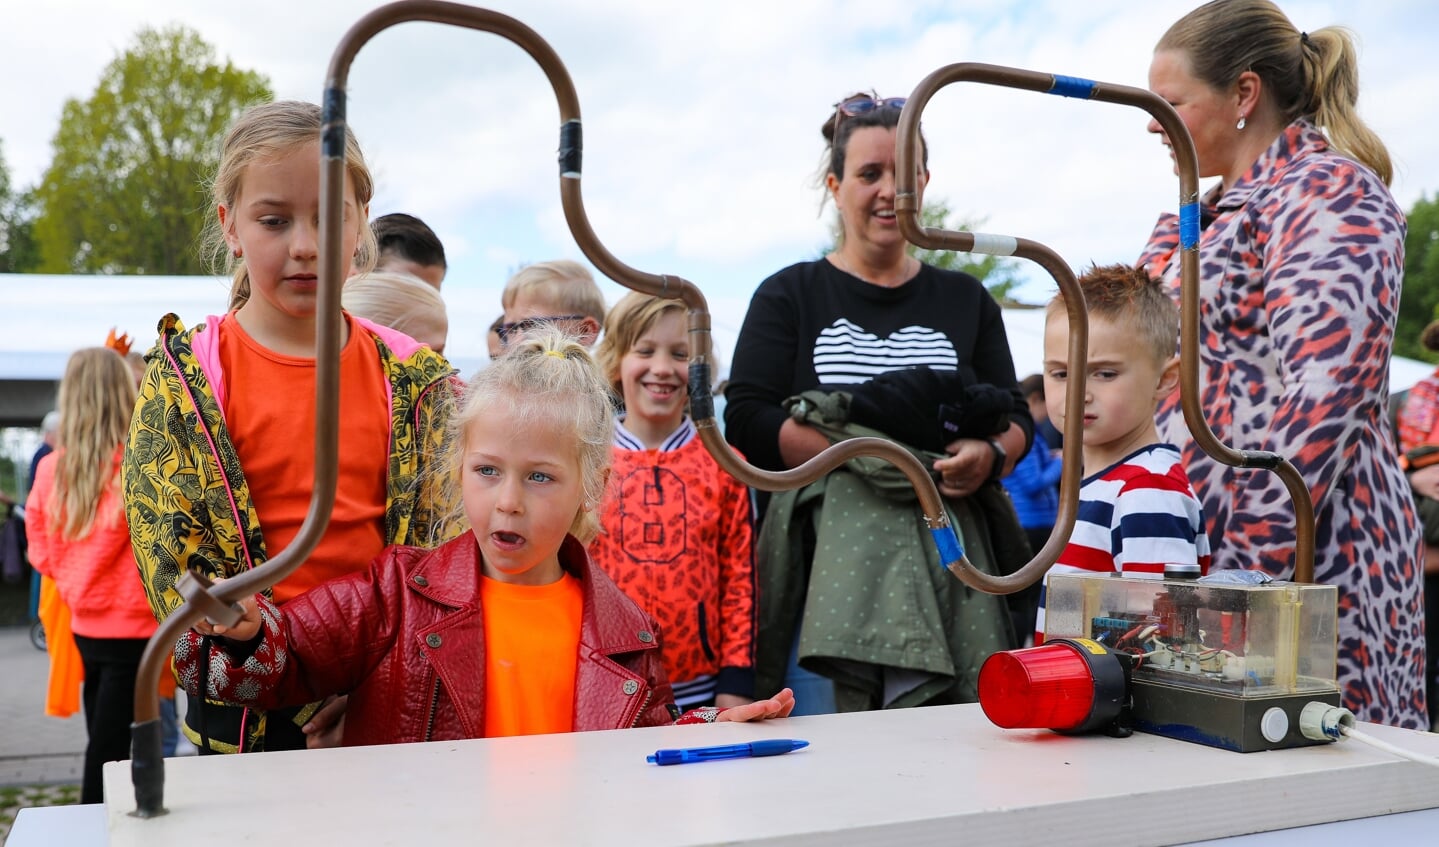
120 344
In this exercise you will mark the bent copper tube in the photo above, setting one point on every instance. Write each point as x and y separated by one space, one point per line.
219 602
907 210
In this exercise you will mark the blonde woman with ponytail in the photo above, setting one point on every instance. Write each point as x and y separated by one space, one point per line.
1301 258
75 521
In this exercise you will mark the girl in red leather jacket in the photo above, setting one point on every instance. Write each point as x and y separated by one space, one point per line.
507 629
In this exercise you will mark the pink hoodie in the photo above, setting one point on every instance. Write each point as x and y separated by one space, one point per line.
96 575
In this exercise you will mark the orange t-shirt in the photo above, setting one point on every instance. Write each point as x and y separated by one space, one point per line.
269 411
532 652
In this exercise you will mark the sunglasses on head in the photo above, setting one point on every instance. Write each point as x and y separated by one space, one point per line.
514 329
861 104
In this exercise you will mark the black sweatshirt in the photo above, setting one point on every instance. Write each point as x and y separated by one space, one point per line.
812 325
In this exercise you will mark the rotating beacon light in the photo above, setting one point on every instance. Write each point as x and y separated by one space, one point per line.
1069 685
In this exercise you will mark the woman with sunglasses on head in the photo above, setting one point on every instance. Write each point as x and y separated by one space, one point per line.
1301 255
868 339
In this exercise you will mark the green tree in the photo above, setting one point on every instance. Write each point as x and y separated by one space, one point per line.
17 245
1419 301
999 274
125 190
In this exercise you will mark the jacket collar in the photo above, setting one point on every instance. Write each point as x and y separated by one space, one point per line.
612 623
1298 140
205 346
449 574
616 625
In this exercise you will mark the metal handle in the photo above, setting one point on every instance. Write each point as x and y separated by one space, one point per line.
202 598
906 208
147 767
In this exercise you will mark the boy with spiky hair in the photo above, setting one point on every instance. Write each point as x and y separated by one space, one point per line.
1138 513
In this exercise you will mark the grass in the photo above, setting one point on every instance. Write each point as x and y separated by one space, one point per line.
13 798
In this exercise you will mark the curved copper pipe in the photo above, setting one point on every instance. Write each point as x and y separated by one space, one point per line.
219 601
907 210
203 598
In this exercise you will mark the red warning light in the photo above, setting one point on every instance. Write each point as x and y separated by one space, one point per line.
1067 685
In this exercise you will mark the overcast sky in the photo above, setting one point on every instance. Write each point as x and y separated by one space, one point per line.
701 119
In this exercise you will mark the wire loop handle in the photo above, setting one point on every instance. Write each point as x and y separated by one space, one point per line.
907 211
220 601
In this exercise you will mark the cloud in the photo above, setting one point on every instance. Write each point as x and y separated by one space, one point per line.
701 129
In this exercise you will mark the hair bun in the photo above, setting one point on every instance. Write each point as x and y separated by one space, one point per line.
1429 338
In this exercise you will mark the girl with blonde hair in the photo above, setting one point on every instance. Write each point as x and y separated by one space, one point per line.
219 469
508 629
400 301
678 536
75 522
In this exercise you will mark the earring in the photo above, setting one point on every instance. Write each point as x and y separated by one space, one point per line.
1240 126
238 253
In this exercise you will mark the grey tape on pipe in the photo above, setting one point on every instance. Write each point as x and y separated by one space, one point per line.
995 245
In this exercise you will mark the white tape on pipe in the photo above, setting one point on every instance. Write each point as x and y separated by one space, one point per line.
995 245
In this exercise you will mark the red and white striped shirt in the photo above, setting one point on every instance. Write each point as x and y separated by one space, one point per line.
1140 517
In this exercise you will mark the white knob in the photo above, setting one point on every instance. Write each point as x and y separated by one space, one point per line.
1274 725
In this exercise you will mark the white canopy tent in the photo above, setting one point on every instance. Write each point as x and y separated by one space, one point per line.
43 318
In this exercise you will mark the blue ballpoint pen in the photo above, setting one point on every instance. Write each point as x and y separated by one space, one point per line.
685 755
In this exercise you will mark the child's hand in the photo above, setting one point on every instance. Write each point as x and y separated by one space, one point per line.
778 706
729 701
245 629
326 728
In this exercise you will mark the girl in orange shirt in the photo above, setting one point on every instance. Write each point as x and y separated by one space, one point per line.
220 463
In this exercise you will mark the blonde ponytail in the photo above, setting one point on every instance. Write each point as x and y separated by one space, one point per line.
1331 65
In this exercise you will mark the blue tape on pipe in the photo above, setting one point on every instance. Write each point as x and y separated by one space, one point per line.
1072 86
948 544
1189 226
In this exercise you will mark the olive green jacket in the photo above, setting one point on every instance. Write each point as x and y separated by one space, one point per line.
882 617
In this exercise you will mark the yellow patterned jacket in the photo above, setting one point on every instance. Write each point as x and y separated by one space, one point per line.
186 497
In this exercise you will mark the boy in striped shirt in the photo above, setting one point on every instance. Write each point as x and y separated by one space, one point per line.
1137 510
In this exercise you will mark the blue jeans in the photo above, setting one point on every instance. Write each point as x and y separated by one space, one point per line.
169 727
813 694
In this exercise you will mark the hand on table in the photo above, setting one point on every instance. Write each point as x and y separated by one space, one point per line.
778 706
1425 481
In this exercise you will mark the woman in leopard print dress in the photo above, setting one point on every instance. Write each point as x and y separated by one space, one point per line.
1301 260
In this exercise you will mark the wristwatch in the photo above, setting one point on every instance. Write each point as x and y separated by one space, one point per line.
996 469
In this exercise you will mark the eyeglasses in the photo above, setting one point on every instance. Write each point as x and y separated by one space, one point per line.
861 104
514 329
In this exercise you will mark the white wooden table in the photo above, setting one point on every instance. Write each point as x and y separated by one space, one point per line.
917 776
